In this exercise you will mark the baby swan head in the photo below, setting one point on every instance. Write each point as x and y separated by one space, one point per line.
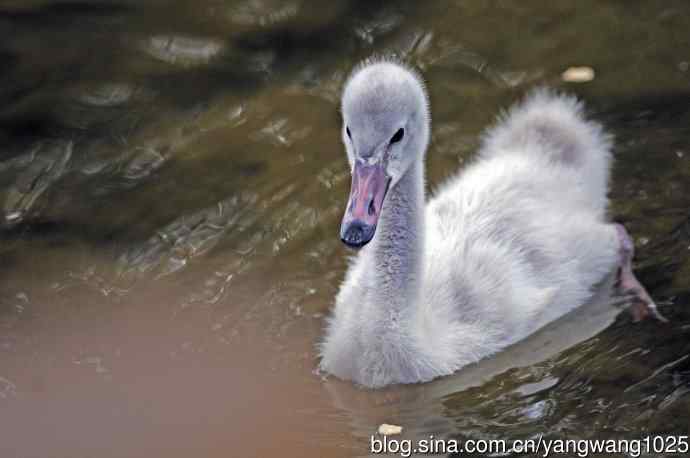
385 130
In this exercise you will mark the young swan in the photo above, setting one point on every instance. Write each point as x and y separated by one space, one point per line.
511 243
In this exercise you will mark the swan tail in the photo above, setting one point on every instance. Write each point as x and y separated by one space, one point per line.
551 125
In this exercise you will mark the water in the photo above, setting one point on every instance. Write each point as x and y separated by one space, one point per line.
171 183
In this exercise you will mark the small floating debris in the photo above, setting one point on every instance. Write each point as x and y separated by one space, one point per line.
389 430
578 75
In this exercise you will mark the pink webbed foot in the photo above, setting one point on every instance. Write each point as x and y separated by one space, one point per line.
642 304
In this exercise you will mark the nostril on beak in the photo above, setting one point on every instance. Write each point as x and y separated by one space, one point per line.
372 208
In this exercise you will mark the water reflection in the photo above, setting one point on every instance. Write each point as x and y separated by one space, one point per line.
172 181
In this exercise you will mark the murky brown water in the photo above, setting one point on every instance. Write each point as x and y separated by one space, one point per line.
171 182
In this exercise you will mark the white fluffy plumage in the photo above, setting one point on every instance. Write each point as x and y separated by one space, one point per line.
512 242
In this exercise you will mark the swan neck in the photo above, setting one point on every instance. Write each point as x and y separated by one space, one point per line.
398 249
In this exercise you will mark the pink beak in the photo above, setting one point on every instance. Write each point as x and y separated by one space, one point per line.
368 191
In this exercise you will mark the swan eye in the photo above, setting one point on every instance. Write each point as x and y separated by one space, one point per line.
398 136
347 129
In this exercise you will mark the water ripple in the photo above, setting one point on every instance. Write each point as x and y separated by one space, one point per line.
48 164
189 236
182 50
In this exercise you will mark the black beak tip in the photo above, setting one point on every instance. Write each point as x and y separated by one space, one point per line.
353 245
357 234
